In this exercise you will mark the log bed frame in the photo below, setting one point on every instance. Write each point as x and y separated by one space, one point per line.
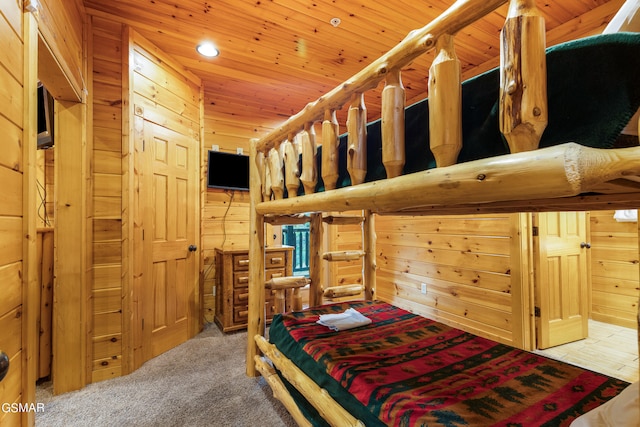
560 178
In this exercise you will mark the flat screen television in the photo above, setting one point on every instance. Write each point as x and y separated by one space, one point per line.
228 171
45 118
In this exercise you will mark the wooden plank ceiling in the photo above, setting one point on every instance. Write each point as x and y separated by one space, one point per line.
278 55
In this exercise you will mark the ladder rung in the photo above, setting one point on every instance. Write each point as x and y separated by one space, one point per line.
343 255
343 219
286 219
287 282
343 291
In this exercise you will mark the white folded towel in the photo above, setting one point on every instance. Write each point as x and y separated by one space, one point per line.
351 318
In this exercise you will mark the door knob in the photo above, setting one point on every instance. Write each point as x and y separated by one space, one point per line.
4 364
585 245
193 248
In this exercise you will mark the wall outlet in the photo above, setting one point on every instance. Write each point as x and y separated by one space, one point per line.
215 147
239 150
213 291
423 288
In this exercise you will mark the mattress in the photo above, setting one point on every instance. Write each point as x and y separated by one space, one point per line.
407 370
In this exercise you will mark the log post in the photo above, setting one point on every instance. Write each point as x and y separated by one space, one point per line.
445 103
369 261
523 77
357 139
261 168
275 171
267 191
291 167
315 259
330 129
393 100
309 175
255 317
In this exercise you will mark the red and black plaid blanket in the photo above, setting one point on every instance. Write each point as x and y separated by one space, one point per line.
407 370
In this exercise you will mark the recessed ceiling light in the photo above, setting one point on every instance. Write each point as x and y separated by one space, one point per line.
207 49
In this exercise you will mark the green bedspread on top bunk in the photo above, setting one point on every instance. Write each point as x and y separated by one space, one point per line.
593 90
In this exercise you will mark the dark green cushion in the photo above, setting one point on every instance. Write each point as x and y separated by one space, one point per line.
593 90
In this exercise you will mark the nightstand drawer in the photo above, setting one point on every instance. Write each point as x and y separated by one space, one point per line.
241 297
275 272
240 314
241 262
274 260
241 279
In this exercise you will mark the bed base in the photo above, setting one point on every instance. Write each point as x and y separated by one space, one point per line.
330 410
562 171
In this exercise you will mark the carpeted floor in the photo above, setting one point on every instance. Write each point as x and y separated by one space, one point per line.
199 383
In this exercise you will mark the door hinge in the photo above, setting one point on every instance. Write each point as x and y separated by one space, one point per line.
534 231
536 311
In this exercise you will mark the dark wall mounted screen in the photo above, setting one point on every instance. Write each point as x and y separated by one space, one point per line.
228 171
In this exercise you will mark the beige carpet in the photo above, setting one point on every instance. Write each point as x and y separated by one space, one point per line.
200 383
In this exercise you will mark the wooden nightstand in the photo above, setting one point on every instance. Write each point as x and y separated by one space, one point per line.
232 283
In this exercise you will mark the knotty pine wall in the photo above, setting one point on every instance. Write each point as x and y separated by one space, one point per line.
106 289
225 224
12 100
466 263
614 270
61 24
225 217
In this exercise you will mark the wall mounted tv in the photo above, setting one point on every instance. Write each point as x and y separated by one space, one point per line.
45 118
228 171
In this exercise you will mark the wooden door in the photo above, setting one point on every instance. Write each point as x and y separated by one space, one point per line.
561 277
169 194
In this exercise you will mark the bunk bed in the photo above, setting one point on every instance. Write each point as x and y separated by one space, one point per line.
511 140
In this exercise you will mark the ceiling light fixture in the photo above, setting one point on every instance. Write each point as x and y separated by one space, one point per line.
207 49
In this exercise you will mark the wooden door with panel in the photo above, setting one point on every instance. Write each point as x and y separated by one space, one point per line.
169 199
562 279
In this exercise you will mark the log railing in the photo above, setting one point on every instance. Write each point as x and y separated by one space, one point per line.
523 115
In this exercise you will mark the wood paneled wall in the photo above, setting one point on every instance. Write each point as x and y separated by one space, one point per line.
225 224
11 204
465 262
106 346
225 217
60 24
614 269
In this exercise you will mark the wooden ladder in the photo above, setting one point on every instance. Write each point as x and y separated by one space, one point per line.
350 290
319 293
287 289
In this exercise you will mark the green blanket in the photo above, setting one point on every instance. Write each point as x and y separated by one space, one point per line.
593 90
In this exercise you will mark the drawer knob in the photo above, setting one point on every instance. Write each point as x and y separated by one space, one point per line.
4 364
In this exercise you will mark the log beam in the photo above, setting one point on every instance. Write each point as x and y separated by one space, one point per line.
560 171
